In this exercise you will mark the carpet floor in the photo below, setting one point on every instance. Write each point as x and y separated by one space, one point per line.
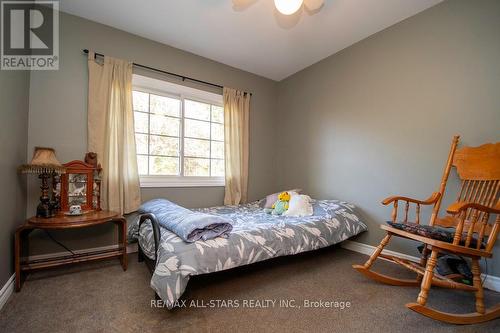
100 297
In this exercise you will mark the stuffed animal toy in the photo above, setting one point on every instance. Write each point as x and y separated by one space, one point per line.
281 205
299 205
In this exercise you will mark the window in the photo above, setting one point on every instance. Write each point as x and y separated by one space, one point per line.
179 134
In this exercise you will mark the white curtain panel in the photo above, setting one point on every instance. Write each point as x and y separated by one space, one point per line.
236 129
111 132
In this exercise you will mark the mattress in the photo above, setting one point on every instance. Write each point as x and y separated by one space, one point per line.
256 236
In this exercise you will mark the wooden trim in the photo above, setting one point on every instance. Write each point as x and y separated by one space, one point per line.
64 222
467 251
478 163
429 201
68 222
384 278
458 207
437 280
491 282
463 319
79 167
427 278
131 248
444 180
70 259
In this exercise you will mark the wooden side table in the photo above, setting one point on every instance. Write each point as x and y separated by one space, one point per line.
67 222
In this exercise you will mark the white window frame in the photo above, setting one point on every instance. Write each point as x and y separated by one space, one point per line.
168 89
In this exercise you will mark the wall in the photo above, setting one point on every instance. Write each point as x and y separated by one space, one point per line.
377 118
58 113
372 120
14 99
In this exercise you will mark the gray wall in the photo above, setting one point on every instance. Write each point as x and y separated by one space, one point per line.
14 99
372 120
58 112
377 118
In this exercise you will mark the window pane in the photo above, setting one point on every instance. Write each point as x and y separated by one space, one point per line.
164 125
142 164
217 132
217 149
196 110
217 114
141 143
217 168
165 105
196 129
196 167
140 101
196 148
168 166
141 122
163 145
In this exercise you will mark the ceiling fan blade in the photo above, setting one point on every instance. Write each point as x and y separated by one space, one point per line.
313 5
243 3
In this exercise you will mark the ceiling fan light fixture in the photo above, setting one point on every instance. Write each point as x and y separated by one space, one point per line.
288 7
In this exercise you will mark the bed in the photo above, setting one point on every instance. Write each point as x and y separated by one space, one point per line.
256 236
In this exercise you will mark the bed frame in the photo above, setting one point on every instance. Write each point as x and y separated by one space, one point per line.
141 257
151 263
156 234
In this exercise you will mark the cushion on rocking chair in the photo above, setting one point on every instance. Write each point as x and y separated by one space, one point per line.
428 231
424 230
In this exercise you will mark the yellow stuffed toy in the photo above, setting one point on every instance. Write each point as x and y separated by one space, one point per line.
281 205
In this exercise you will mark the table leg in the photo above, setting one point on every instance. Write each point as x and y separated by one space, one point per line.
20 249
17 259
123 243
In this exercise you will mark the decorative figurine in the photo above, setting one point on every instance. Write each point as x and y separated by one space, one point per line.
91 158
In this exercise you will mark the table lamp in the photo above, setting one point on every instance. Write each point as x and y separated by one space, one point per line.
45 164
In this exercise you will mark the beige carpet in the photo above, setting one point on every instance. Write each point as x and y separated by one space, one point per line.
100 297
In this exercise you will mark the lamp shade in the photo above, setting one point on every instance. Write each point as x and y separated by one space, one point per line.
288 7
44 161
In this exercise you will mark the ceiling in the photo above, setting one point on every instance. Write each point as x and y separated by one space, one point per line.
250 34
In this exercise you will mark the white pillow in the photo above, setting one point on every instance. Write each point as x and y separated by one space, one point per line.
299 205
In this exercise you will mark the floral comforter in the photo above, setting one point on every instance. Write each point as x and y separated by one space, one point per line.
256 236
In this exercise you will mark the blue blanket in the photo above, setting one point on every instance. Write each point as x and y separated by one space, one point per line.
188 225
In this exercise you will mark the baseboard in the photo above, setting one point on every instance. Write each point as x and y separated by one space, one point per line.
368 250
7 291
131 248
490 282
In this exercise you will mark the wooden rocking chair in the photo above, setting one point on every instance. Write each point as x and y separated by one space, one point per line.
475 217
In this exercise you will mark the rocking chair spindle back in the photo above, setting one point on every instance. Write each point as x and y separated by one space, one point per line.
475 219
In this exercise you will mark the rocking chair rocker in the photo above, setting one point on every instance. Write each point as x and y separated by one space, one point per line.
475 218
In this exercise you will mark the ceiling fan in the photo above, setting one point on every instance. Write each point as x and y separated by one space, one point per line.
288 7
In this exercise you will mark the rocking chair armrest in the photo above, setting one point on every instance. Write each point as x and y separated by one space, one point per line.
459 207
429 201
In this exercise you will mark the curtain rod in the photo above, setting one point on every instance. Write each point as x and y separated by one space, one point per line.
184 78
